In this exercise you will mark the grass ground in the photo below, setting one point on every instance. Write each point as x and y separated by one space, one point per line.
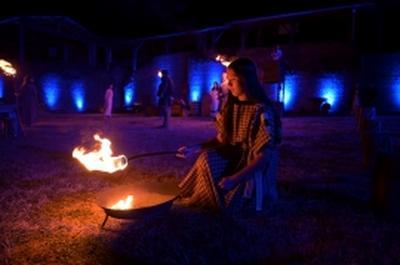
50 215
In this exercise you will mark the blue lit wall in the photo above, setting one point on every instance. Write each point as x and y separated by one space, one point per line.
51 85
201 76
301 90
73 91
383 72
147 82
196 81
395 92
393 97
2 87
289 92
214 72
78 95
331 87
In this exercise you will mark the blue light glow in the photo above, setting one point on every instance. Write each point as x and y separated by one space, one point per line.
202 75
129 92
1 87
195 94
331 88
194 82
214 74
78 95
290 91
394 94
52 90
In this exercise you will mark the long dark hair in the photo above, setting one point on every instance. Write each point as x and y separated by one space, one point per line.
246 70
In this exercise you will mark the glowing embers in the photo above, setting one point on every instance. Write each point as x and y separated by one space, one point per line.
100 158
148 200
124 204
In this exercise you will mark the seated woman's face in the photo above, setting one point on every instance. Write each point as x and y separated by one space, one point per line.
235 86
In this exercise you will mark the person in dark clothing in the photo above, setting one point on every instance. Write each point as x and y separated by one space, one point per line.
368 124
165 91
26 97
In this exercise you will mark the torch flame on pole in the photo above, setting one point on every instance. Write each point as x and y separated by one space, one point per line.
101 159
7 68
223 60
124 204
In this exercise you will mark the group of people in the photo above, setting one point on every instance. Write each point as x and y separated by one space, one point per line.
164 93
236 169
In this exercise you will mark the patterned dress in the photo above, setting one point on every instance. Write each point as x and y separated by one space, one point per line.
254 128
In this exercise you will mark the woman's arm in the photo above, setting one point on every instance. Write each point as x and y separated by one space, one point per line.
187 151
244 174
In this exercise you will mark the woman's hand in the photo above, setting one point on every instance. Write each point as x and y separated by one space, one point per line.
226 183
187 151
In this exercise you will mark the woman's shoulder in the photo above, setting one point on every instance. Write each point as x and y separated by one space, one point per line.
269 111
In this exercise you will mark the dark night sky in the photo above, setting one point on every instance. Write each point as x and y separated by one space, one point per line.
132 18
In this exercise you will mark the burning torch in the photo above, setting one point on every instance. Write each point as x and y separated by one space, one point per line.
7 68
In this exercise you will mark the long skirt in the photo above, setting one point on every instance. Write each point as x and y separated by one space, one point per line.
200 186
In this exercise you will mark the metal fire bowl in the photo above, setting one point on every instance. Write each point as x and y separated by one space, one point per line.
148 200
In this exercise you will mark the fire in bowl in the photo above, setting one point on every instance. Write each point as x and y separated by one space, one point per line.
137 201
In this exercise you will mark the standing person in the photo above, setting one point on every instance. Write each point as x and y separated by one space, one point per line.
165 90
277 55
215 94
223 95
355 105
108 105
368 125
26 97
184 101
238 167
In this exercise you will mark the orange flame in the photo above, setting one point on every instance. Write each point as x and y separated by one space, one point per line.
102 159
124 204
7 68
223 60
